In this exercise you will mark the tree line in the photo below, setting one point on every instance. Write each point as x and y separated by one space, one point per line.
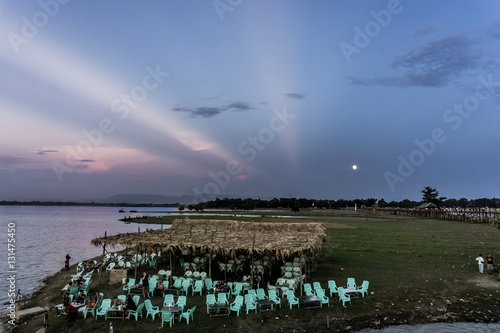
299 203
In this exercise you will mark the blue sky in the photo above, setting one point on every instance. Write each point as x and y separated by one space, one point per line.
249 98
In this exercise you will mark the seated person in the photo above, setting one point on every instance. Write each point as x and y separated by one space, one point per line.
80 283
97 298
67 287
218 287
225 288
246 277
80 298
117 302
65 298
129 305
159 290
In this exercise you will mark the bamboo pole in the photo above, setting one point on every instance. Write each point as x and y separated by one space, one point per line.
171 271
136 262
251 272
210 266
300 274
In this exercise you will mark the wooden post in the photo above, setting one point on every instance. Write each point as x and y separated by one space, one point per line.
102 260
136 262
210 266
251 273
300 274
171 271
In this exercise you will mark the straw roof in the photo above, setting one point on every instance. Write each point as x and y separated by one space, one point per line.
227 237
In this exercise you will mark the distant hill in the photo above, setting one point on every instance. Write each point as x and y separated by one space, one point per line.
160 199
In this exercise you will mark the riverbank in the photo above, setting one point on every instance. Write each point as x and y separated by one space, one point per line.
420 271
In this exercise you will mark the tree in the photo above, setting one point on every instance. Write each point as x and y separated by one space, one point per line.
181 208
382 203
430 194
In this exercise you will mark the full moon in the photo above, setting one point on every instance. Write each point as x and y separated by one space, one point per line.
354 167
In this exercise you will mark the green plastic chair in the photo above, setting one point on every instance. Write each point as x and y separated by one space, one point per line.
73 292
103 309
308 289
208 284
186 284
317 286
364 288
177 284
168 300
88 310
167 317
181 302
210 301
122 298
130 284
222 298
136 313
250 303
188 315
351 283
236 305
198 288
261 294
136 299
343 297
150 309
292 300
320 293
274 297
332 286
238 289
253 293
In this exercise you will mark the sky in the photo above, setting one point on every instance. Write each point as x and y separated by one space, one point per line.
249 98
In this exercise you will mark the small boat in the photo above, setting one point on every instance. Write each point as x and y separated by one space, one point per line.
133 211
121 211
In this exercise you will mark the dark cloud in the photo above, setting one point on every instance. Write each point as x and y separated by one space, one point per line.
209 111
239 106
295 96
435 64
87 161
206 112
425 31
43 151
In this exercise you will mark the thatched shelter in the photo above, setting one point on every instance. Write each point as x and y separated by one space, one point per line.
226 238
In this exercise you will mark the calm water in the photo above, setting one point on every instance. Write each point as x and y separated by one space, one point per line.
44 234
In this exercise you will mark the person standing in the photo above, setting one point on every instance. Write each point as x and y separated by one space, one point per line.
480 262
489 264
72 315
145 284
66 262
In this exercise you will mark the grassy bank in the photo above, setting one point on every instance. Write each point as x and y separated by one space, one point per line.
420 270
